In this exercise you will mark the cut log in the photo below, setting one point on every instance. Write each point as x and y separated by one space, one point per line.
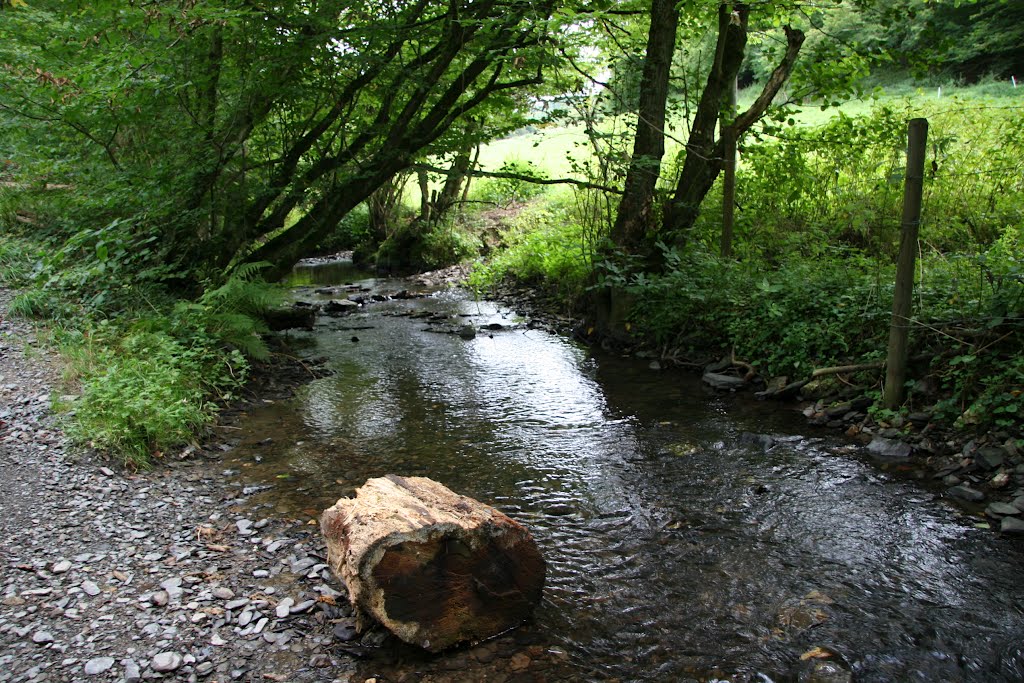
433 567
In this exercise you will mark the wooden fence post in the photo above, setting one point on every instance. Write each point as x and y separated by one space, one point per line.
899 328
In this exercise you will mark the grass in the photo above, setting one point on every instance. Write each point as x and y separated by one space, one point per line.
550 148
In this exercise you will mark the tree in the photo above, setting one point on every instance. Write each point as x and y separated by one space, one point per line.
253 131
635 210
705 152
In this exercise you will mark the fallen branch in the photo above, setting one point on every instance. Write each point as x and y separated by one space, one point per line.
874 365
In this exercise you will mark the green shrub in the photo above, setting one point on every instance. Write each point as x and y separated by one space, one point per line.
140 395
445 245
544 245
835 309
150 382
842 183
506 191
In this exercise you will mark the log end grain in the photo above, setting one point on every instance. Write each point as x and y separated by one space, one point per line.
433 567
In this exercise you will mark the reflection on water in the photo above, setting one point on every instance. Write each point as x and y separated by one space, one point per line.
676 548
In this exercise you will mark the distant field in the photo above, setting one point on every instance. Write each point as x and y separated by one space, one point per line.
549 148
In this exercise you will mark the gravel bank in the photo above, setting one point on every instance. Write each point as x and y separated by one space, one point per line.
170 574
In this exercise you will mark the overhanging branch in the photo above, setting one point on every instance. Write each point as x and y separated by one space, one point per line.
523 177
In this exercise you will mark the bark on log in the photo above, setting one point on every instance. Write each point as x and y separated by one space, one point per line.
435 568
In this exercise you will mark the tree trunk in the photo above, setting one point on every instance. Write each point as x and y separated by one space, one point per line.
452 189
634 211
703 159
705 155
383 206
423 179
435 568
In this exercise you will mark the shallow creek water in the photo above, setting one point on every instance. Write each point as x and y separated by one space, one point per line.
677 547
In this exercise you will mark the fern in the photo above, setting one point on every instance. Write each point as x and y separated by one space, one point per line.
244 292
233 312
241 331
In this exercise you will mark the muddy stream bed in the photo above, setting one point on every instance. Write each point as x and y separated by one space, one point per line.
688 535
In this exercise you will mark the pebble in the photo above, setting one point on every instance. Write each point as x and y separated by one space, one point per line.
283 608
99 665
301 566
102 554
303 606
166 661
345 630
132 672
1012 525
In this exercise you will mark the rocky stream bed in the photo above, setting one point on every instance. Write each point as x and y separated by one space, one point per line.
174 573
181 573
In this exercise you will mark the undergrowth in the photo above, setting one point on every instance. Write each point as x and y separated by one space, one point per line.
544 245
787 320
148 370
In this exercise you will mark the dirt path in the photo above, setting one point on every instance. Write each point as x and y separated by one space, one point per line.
169 574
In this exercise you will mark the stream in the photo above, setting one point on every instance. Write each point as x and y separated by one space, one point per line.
688 535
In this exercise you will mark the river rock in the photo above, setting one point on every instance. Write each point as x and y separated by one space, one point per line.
166 661
965 492
838 410
889 448
99 665
989 457
340 307
1012 525
1001 510
723 382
